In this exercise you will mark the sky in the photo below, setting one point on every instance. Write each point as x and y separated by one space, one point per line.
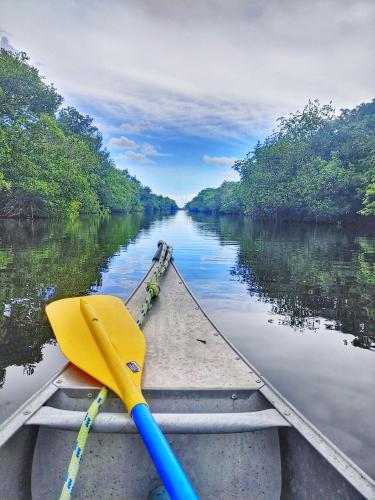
181 89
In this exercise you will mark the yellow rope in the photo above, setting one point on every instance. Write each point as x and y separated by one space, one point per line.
79 445
152 290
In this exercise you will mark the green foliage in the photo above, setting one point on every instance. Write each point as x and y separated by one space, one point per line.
230 197
369 201
225 199
315 166
73 123
52 162
37 163
118 193
206 200
23 94
152 202
4 185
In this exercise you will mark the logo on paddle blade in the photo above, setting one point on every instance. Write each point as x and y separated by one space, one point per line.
133 366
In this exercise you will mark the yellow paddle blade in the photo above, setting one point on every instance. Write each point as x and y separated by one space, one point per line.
98 334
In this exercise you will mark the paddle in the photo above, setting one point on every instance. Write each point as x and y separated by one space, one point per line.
98 334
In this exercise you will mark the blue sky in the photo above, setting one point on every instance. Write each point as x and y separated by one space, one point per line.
170 160
181 89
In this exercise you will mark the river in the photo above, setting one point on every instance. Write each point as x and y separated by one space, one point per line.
296 299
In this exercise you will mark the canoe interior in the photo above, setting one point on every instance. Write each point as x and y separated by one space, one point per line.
269 464
260 450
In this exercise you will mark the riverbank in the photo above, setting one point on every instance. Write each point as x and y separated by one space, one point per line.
365 221
102 215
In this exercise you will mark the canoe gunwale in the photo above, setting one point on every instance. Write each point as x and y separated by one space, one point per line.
361 481
17 419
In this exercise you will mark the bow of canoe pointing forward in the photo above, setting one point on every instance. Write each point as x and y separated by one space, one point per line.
234 435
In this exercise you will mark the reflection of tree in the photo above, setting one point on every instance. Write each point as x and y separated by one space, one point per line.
2 376
47 260
306 271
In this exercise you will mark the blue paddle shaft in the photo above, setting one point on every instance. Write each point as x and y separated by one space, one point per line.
171 473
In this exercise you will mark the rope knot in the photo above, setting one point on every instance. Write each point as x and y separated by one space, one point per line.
153 287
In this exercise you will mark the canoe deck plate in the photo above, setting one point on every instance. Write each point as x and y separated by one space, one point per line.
185 351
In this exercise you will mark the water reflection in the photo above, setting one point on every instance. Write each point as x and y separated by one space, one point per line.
281 302
47 260
296 299
306 272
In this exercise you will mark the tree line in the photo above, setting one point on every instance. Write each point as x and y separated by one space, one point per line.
315 166
52 159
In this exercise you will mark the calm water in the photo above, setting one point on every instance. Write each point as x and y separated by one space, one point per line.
296 299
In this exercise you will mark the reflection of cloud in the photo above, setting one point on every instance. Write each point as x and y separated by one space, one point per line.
122 142
222 161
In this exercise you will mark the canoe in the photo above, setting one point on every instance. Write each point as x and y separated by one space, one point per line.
234 434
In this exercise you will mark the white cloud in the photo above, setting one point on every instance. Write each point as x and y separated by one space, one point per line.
222 161
123 142
182 199
231 176
140 153
212 68
135 156
150 150
135 128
